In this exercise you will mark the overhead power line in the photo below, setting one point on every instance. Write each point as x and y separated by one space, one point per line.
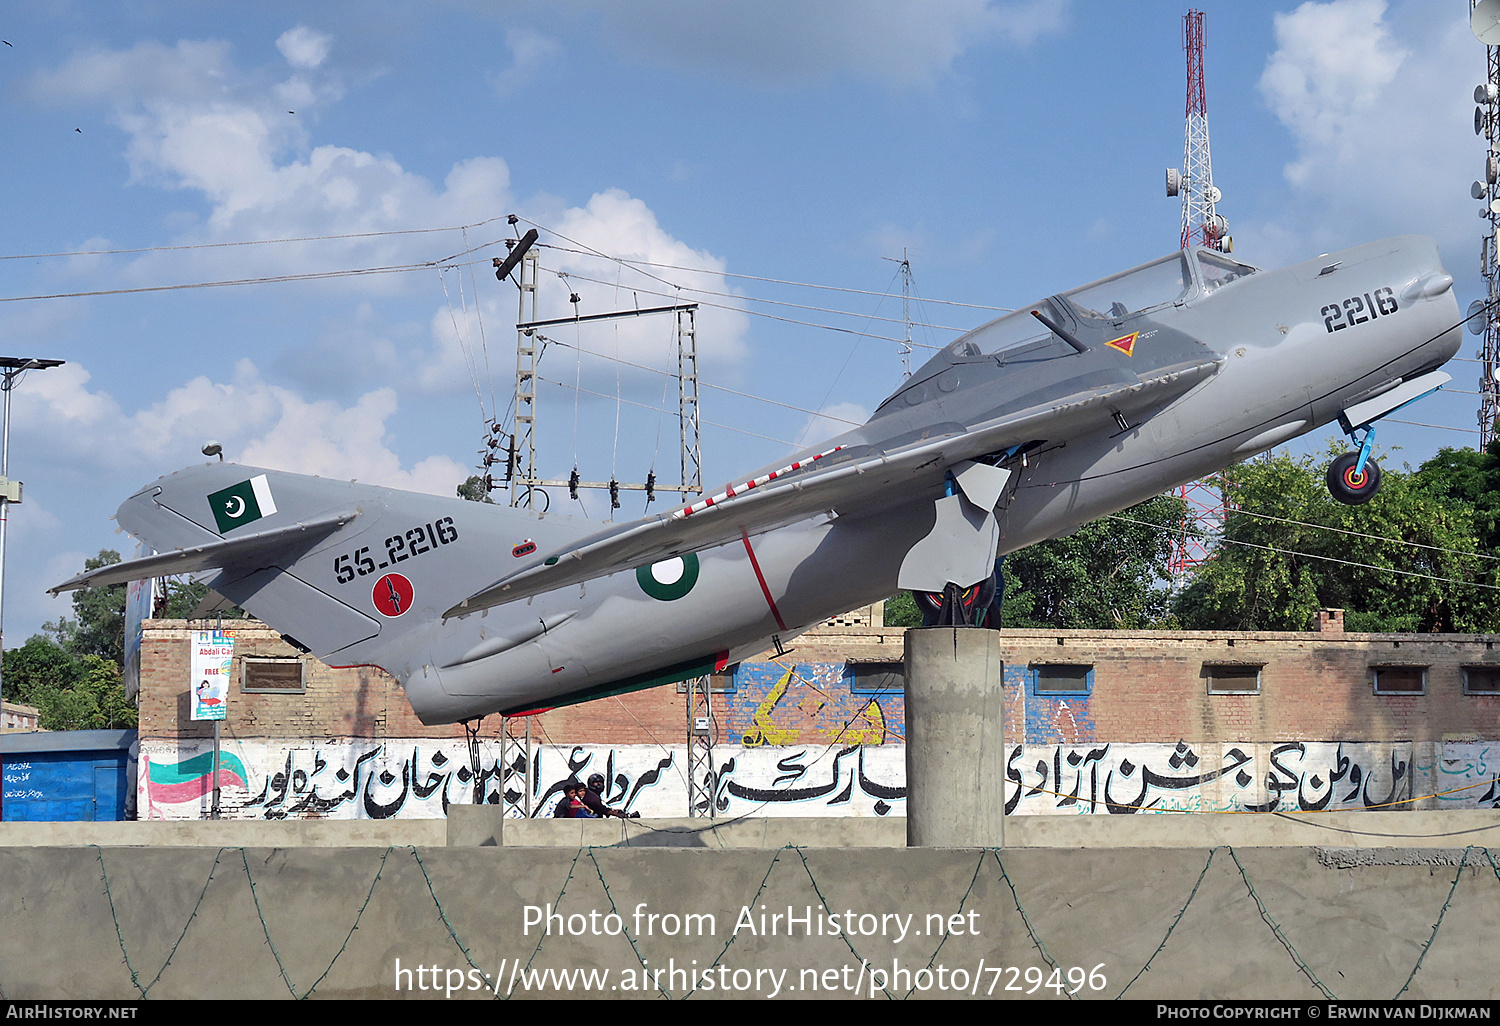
246 242
1313 555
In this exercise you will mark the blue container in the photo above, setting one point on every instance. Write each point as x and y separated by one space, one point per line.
67 775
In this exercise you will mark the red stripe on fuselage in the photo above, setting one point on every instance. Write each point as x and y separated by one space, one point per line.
764 590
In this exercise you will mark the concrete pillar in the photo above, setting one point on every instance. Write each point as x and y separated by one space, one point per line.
955 738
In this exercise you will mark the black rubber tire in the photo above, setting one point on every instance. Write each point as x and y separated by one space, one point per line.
1349 489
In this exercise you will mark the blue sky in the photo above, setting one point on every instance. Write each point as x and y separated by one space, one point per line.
1012 149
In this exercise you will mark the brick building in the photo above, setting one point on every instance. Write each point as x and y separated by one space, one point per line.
14 716
1096 722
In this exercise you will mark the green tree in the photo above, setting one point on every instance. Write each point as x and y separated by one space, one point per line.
72 672
1111 573
96 701
98 626
37 669
473 489
1408 560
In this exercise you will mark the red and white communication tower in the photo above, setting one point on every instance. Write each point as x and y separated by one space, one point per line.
1203 501
1201 224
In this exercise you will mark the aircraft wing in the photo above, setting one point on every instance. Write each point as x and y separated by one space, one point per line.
840 479
210 555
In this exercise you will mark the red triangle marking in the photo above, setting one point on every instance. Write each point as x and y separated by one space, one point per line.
1125 344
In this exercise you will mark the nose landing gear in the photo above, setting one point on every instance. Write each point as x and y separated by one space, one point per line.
1350 484
1354 478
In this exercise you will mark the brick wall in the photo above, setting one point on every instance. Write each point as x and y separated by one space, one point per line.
1146 687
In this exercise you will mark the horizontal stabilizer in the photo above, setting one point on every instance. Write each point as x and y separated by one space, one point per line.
855 478
211 555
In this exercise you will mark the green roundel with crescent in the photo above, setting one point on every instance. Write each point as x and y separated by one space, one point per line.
670 579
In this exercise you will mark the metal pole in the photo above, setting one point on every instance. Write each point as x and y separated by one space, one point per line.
10 375
13 367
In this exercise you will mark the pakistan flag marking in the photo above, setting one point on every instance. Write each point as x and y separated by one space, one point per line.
242 504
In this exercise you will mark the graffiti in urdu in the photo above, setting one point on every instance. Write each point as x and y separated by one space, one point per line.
422 778
1121 779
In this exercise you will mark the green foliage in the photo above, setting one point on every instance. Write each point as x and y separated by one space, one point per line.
1110 574
98 627
1407 560
71 674
38 668
473 489
901 611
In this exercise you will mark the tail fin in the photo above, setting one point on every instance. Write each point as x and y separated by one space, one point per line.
316 559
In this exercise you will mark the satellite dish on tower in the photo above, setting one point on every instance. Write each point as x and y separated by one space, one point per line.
1485 21
1475 317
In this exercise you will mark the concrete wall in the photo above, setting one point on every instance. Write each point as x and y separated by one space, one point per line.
1252 923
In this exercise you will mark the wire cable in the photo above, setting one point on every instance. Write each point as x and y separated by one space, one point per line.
248 242
1311 555
772 281
705 384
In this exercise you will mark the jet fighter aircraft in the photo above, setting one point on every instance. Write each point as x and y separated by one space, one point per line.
1020 430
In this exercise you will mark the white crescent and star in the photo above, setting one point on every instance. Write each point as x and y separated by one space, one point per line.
231 511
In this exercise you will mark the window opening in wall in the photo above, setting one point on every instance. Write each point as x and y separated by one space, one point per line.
1482 680
718 683
1400 680
875 677
1062 678
1232 678
272 676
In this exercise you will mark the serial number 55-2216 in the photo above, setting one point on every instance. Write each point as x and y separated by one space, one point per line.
1358 309
398 548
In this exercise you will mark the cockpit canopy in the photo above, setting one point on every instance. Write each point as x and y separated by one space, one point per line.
1175 278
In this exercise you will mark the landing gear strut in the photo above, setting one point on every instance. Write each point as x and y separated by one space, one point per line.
975 606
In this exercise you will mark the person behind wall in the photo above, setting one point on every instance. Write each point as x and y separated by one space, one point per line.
593 797
570 805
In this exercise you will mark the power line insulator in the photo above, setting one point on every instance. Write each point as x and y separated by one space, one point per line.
489 484
614 494
650 486
573 484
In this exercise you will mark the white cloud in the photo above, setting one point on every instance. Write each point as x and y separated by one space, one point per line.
1329 75
530 51
304 47
256 422
895 42
830 421
196 122
1374 98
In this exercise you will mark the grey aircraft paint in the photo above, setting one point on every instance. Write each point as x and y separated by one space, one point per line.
1020 430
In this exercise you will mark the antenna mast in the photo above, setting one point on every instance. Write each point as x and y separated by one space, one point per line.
1201 224
1204 509
1484 316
